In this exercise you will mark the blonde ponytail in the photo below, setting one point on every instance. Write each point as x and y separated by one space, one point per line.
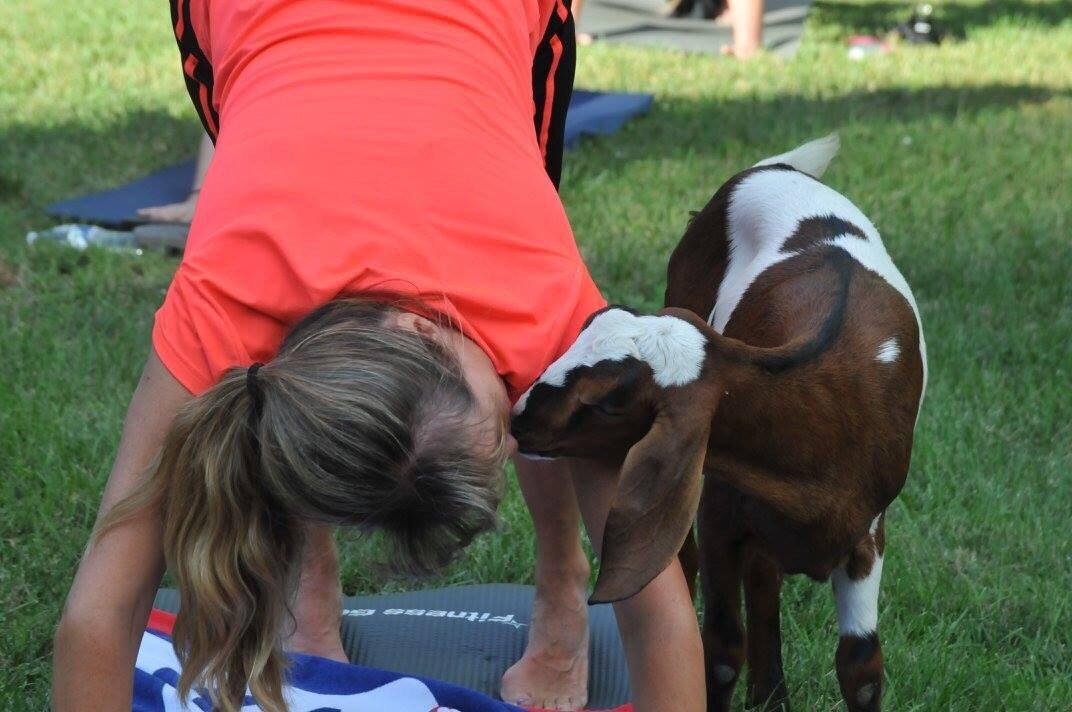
353 423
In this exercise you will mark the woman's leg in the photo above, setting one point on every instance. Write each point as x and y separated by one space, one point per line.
553 673
658 625
318 605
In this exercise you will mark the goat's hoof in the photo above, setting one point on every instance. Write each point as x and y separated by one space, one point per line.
724 674
868 698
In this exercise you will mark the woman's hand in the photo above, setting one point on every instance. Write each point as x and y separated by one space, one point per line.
97 640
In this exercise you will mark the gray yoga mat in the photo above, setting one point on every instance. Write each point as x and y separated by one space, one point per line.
466 635
641 22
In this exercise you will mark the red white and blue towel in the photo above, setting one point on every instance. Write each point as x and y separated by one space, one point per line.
315 684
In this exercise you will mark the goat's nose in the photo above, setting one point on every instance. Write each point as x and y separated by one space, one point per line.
522 436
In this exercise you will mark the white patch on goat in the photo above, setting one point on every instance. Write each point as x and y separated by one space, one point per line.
857 601
764 212
888 350
672 347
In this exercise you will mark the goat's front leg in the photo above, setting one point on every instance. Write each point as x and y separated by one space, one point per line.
762 601
859 655
720 579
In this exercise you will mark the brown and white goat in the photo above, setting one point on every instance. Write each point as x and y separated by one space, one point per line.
796 398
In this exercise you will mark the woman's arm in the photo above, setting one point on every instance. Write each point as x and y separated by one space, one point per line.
97 639
658 625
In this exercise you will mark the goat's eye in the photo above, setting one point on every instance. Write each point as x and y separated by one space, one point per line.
607 409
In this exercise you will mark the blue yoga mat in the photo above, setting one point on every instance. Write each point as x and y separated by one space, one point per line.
591 113
464 635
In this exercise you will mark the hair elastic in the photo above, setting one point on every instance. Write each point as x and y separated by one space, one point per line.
253 386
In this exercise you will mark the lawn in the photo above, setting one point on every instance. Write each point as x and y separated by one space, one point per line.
959 154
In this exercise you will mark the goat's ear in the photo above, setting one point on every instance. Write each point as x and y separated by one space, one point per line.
653 510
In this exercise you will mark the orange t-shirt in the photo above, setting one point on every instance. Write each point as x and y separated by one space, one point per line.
381 145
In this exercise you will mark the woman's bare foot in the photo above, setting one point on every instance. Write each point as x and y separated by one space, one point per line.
175 212
553 673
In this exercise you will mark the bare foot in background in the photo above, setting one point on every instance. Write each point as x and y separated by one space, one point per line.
174 212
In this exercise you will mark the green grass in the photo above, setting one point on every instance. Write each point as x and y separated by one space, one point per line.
960 155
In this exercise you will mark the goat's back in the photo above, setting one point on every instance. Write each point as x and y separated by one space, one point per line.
766 261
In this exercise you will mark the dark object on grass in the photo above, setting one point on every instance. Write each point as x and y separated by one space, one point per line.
591 113
466 635
920 28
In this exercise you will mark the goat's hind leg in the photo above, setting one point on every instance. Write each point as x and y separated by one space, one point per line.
720 579
762 602
859 654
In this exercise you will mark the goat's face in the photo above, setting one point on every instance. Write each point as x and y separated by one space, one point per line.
598 411
631 388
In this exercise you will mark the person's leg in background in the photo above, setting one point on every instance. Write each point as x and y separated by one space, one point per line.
658 625
553 674
746 17
583 38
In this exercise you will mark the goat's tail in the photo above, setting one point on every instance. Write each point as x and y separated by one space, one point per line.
811 158
806 347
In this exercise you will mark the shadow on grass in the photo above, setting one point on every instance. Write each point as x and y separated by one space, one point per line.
956 18
47 162
54 161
